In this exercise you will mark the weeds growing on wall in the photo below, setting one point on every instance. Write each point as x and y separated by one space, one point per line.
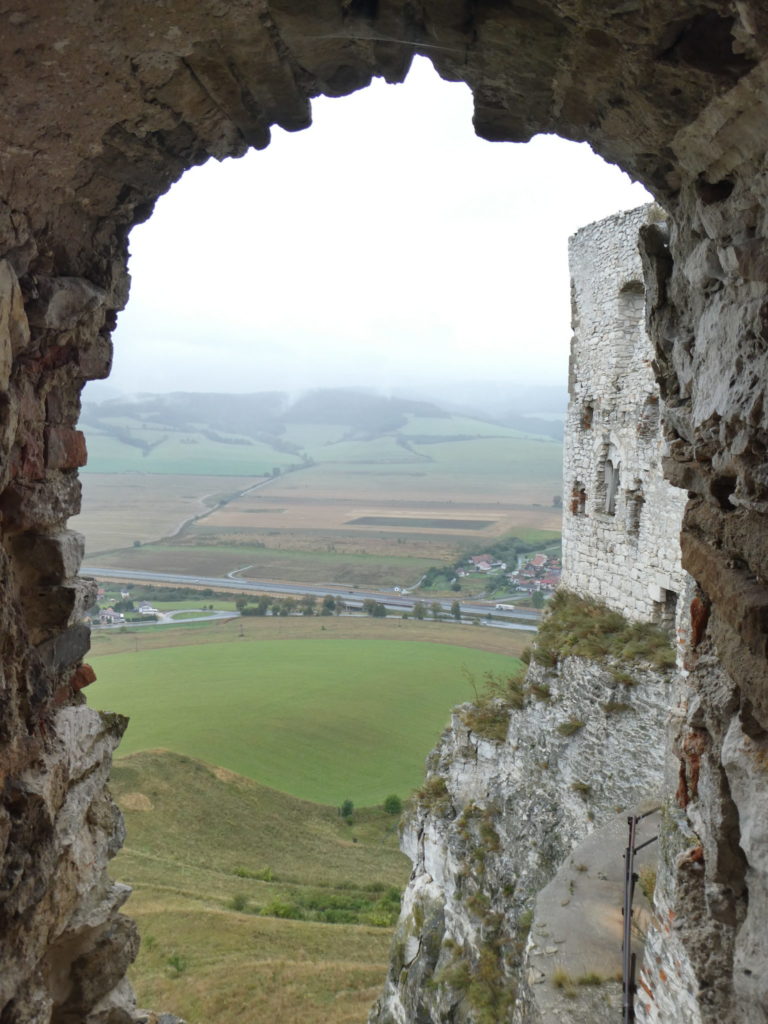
586 628
488 715
484 979
433 795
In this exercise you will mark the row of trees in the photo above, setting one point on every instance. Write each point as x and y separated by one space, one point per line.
420 609
306 605
330 605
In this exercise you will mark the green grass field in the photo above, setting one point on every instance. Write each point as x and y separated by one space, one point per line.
325 719
521 470
438 426
188 453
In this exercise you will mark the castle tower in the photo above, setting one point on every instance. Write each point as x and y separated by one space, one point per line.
621 520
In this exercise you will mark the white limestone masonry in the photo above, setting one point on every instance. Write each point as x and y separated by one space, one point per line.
621 520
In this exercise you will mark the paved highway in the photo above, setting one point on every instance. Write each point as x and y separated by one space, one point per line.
353 597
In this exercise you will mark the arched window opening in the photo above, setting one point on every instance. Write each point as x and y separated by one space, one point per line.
264 521
578 499
632 300
635 500
608 479
648 424
612 480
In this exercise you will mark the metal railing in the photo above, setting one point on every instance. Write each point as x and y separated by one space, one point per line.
629 959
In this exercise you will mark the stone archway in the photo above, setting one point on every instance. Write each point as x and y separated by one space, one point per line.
104 106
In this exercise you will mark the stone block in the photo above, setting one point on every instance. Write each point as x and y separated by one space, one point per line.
14 328
66 649
56 607
96 358
62 302
62 404
82 676
40 505
740 598
51 557
28 456
65 448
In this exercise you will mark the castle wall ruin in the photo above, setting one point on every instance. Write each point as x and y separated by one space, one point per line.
621 519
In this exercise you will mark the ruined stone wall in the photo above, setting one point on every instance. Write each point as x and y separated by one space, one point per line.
621 521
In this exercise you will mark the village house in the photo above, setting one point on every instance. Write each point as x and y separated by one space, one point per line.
109 617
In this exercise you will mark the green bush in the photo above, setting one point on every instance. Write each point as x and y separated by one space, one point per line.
264 875
352 906
177 964
282 909
393 804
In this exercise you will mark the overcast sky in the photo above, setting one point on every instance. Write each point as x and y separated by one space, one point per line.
385 245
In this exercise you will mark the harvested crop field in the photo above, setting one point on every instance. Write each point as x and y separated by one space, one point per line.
431 524
261 510
120 508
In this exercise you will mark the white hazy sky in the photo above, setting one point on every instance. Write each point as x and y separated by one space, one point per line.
386 245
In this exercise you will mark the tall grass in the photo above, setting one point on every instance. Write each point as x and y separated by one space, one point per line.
588 629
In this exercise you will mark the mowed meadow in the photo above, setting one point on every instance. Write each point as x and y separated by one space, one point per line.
323 718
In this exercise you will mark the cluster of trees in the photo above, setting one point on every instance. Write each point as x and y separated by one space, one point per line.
420 610
392 805
306 605
374 608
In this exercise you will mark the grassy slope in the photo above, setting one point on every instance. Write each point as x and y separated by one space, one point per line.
190 828
325 719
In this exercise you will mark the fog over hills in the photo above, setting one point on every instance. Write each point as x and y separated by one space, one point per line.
365 411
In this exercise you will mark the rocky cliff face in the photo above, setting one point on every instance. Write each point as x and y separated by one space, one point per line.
81 946
512 788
